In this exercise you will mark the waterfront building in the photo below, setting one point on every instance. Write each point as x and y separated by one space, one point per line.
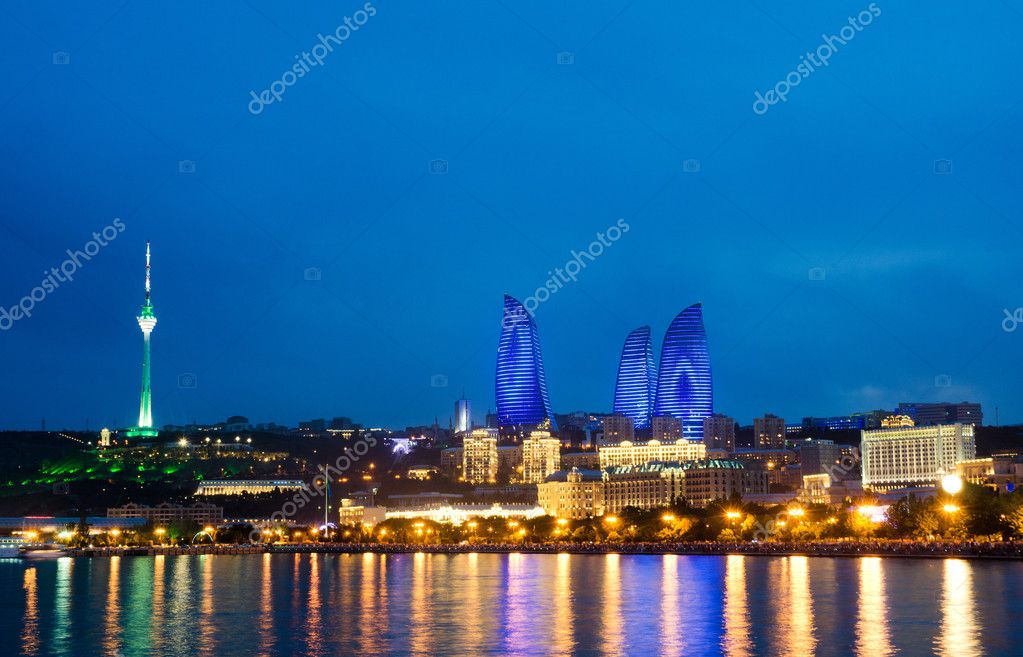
541 456
463 416
247 486
479 456
353 513
1002 472
456 514
666 428
618 428
164 513
629 453
684 384
521 385
576 493
147 322
636 384
708 480
907 456
943 413
719 432
769 432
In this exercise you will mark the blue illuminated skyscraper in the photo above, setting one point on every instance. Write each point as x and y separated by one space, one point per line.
684 387
521 388
635 387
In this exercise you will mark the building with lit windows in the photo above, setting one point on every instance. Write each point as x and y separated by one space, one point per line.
479 456
618 428
541 456
769 432
629 453
248 486
521 385
708 480
719 432
684 385
913 456
164 513
636 384
666 428
943 413
574 493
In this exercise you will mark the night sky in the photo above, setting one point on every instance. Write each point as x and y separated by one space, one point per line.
542 153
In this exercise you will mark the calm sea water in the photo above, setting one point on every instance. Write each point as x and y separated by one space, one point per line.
519 604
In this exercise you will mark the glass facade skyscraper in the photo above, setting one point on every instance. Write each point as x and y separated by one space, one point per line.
636 383
521 386
684 387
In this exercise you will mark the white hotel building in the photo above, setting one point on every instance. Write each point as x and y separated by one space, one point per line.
629 453
900 457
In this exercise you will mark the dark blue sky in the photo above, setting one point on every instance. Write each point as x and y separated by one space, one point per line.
918 266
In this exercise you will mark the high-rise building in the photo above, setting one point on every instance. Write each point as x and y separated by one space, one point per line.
618 428
912 456
667 428
719 432
147 322
479 456
684 386
943 413
541 456
463 416
769 432
521 386
636 384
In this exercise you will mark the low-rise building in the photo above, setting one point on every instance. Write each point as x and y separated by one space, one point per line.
574 493
352 513
249 486
709 480
165 512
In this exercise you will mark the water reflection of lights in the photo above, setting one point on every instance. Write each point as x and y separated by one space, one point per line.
612 632
30 623
736 641
959 636
873 637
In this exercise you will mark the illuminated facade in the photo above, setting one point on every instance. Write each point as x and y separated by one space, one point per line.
249 486
463 416
162 514
147 322
713 479
479 456
684 386
521 385
667 428
541 457
635 386
910 456
628 453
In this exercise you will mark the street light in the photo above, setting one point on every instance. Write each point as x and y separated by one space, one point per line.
952 483
797 512
733 515
950 508
668 517
611 520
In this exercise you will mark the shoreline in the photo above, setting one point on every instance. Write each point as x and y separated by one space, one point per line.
997 551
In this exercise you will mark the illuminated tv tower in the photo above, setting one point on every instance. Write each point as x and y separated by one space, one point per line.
147 321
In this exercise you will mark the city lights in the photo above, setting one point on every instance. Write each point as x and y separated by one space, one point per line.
952 484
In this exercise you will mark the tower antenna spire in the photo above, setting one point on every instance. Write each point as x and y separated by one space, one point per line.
147 271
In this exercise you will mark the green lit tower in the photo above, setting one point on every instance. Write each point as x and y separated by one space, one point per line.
147 321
